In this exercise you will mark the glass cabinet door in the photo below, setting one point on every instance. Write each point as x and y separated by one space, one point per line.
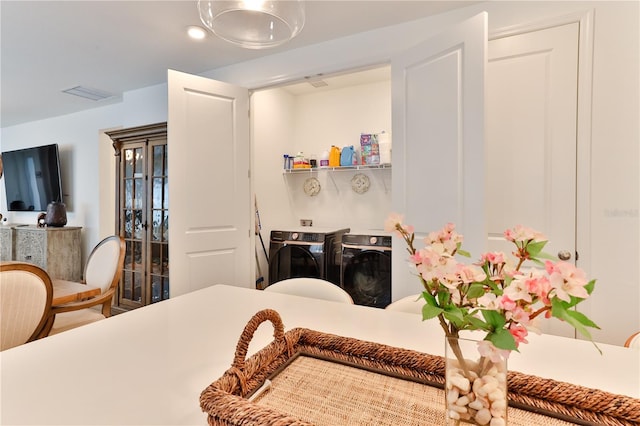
158 242
143 216
133 198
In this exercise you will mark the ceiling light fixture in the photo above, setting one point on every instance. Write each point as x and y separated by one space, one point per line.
196 33
253 24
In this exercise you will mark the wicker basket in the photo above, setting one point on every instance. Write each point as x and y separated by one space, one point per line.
322 379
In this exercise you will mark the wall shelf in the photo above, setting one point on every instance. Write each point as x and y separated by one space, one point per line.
338 169
333 171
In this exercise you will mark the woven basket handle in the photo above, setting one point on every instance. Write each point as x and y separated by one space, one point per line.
250 329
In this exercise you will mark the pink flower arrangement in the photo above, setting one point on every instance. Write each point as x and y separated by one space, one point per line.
497 294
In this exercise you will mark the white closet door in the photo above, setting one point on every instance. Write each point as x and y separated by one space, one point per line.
438 139
211 209
532 92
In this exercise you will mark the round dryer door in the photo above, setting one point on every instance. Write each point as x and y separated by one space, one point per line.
293 261
366 276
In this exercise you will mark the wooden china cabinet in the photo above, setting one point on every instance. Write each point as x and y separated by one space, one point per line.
142 213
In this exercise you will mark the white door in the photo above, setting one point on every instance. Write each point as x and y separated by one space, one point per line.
532 84
438 135
211 209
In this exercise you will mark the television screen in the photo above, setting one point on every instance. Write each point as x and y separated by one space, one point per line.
32 178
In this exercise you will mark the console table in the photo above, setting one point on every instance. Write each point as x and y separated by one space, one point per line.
56 250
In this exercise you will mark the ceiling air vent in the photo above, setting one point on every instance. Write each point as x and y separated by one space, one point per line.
88 93
316 81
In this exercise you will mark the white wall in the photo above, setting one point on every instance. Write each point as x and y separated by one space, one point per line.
283 123
613 215
86 157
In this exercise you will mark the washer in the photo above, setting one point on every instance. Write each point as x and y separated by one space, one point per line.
305 252
366 269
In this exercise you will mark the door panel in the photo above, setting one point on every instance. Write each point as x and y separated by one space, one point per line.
211 207
532 84
438 126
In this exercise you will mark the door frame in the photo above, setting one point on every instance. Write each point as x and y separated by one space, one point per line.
585 22
583 126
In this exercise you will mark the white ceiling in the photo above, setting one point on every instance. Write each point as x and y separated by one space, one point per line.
117 46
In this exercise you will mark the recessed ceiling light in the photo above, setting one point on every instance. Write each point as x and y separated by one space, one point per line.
196 33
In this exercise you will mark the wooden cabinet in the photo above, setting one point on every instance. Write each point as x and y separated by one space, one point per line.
56 250
143 213
6 243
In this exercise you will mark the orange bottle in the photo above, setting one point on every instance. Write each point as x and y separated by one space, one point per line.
334 156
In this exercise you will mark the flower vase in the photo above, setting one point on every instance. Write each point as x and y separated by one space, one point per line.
475 385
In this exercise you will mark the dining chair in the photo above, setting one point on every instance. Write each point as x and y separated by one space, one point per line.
633 341
311 287
25 300
412 304
103 270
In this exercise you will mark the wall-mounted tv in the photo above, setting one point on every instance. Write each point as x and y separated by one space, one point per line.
32 178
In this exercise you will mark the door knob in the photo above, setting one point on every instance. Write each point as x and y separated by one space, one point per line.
564 254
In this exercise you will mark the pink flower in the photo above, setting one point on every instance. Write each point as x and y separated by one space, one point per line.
519 334
566 280
517 290
447 238
493 257
538 285
523 234
488 301
469 274
518 315
487 350
505 303
392 222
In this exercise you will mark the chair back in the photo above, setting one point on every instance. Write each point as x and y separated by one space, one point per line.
311 287
412 304
25 300
633 341
105 263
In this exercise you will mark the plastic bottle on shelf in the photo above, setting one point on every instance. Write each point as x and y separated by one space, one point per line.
334 156
324 159
300 161
384 144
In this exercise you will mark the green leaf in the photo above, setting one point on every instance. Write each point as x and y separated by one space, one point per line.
494 319
537 261
444 297
428 297
590 286
476 323
494 287
534 248
430 311
502 339
543 255
582 319
572 317
463 252
558 308
455 315
475 290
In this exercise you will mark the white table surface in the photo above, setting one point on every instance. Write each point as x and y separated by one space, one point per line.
149 366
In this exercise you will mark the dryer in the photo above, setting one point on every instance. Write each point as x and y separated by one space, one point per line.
305 252
366 268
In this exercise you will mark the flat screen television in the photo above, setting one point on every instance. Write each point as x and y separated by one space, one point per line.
32 178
